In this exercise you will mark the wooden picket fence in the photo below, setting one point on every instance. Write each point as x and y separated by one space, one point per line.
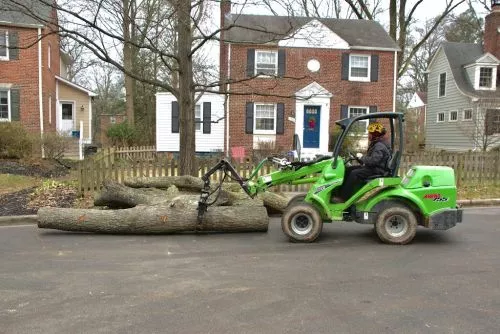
119 164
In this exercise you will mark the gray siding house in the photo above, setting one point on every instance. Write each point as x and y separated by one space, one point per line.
463 111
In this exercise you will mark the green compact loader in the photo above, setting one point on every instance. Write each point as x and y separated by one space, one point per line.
426 196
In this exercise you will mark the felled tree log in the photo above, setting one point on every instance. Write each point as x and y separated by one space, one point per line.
274 202
159 219
163 182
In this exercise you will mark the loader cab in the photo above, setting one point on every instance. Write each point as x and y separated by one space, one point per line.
353 138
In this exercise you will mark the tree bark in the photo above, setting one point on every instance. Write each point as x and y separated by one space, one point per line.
160 219
128 61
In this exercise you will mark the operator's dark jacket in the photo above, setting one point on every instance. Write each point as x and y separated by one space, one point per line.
377 156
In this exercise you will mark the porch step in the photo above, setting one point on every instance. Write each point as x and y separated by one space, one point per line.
73 150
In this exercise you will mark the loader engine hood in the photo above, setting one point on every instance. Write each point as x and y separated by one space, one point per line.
429 176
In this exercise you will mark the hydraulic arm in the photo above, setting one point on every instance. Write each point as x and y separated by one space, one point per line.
287 173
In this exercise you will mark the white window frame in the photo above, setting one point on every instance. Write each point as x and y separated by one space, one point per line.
198 126
467 119
449 116
444 117
7 53
493 78
49 50
264 132
256 72
367 112
9 111
439 84
364 79
50 109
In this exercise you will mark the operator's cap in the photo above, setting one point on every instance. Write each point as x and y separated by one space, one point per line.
377 128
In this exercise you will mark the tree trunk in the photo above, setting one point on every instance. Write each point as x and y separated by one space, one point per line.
160 219
187 147
128 61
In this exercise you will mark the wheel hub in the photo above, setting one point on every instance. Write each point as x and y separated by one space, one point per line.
396 225
302 224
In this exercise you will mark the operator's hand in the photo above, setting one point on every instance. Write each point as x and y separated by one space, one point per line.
359 155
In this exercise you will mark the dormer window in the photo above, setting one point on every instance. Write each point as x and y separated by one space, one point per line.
485 77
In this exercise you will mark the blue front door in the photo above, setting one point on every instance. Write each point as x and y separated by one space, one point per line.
311 126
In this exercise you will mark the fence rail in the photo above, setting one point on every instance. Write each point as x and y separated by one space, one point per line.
119 164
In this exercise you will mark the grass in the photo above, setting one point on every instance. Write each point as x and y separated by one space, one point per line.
12 183
479 191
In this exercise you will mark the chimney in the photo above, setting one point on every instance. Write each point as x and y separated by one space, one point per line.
225 10
491 30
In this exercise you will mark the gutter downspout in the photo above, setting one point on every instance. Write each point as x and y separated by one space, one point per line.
395 81
40 97
227 97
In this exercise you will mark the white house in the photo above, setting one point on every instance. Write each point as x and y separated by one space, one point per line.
210 123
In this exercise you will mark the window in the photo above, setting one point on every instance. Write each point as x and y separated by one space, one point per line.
4 106
492 122
453 116
67 111
467 114
359 68
265 119
4 45
197 117
362 126
442 84
485 77
48 56
440 117
112 119
266 62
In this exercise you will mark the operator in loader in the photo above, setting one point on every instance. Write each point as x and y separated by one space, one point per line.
373 163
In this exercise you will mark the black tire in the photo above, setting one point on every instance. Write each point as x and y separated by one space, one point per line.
396 224
302 223
297 199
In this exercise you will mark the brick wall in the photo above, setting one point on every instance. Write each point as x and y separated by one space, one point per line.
23 74
104 124
297 76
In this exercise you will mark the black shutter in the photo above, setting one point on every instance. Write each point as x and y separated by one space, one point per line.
373 109
14 105
207 117
374 68
281 62
345 66
280 119
344 111
13 45
249 118
250 62
175 117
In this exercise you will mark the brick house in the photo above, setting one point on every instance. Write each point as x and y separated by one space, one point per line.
34 88
297 75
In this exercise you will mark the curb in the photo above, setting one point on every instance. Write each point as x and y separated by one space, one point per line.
18 220
479 202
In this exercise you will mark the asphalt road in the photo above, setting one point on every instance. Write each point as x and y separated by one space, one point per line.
347 282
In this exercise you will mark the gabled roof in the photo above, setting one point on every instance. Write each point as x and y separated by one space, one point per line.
264 29
422 96
18 13
74 85
460 55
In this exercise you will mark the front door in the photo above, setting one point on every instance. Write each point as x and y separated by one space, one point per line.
311 126
68 116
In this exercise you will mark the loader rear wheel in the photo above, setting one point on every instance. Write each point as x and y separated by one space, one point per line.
302 223
396 224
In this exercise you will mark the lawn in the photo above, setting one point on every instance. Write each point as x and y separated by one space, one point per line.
11 183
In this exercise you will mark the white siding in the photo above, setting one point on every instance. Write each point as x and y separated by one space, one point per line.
446 135
166 141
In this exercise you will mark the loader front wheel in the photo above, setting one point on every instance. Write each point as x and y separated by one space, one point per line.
396 224
302 223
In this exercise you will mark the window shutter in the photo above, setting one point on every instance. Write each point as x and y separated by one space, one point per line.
281 62
373 109
280 119
15 114
207 117
250 62
249 118
13 45
374 68
344 111
345 66
175 117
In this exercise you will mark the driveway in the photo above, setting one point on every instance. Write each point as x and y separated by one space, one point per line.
347 282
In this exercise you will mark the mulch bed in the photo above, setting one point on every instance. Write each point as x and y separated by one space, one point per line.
23 202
